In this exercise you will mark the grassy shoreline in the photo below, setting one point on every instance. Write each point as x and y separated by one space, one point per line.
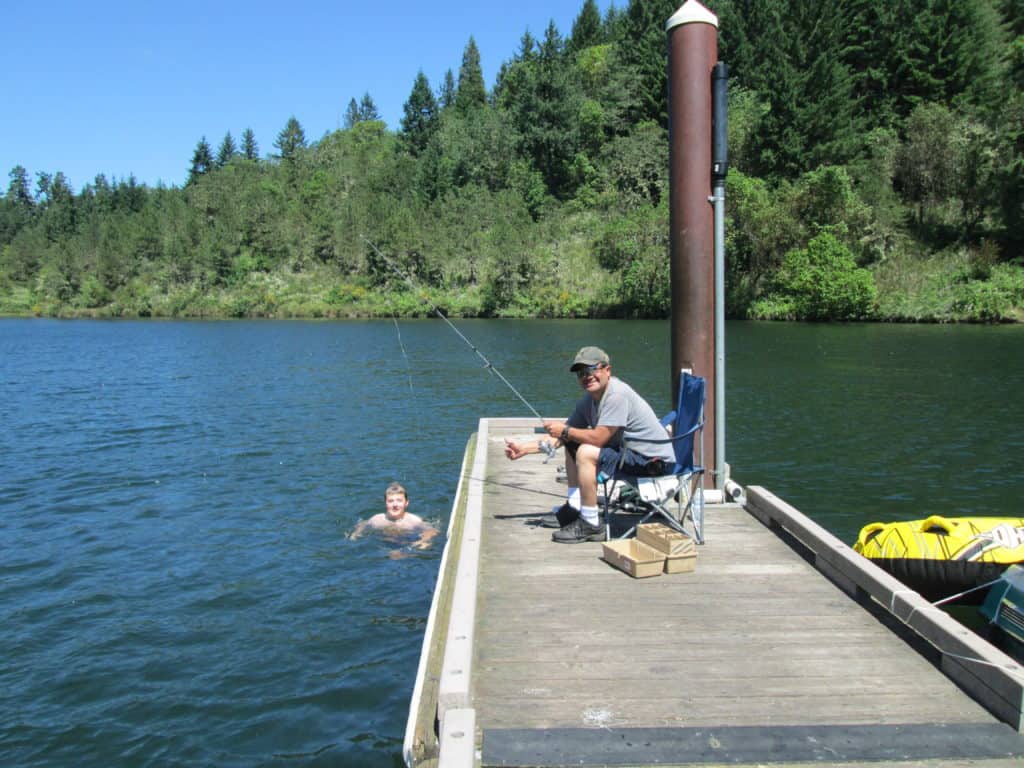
949 289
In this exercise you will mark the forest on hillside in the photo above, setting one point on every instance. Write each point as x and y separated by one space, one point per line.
876 172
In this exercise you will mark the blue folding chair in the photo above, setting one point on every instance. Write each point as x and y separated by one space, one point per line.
682 484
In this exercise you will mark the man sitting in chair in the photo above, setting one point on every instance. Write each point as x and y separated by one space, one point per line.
609 411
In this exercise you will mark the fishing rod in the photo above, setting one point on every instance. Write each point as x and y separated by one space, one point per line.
488 365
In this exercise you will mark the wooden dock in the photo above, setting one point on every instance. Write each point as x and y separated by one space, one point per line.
782 647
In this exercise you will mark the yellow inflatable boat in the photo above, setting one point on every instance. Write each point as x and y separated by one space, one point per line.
943 556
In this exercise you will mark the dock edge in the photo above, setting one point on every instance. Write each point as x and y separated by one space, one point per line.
984 672
441 726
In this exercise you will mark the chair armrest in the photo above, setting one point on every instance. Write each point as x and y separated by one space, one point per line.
670 439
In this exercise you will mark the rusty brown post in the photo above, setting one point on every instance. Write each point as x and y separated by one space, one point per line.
692 54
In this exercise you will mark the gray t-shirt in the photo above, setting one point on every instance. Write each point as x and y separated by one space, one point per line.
621 407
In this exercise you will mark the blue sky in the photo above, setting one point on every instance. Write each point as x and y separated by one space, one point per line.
126 88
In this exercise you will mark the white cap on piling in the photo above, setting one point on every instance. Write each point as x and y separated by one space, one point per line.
691 12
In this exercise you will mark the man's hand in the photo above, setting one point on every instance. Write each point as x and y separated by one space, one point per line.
515 450
554 429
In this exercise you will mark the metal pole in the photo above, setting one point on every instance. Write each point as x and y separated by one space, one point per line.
719 200
719 169
693 50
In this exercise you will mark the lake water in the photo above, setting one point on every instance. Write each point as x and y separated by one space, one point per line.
176 585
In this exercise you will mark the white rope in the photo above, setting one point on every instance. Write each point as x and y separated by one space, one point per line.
945 600
1015 670
892 600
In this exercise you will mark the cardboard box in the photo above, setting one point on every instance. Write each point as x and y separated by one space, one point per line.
634 557
664 539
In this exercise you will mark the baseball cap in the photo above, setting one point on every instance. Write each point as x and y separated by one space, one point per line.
589 356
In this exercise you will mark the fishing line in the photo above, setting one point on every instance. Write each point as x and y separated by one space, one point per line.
488 365
408 376
516 487
408 368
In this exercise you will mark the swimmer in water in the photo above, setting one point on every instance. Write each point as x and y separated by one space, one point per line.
396 519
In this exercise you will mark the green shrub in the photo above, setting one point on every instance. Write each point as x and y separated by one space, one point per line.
821 282
54 283
645 290
997 299
344 294
627 238
981 301
92 294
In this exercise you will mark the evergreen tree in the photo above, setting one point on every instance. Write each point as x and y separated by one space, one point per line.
250 151
367 109
795 62
18 191
43 181
613 24
419 116
870 39
956 56
202 160
291 140
446 94
644 48
103 192
471 91
16 207
227 150
1011 174
128 195
527 48
351 114
527 53
911 52
60 216
586 30
543 100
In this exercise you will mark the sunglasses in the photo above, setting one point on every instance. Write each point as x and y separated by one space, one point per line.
588 370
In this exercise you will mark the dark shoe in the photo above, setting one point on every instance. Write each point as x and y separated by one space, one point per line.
561 517
579 530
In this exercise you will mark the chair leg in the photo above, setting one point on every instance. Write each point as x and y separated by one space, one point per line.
694 510
607 511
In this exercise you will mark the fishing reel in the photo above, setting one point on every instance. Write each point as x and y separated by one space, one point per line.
545 446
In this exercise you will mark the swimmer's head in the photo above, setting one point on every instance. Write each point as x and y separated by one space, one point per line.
395 488
396 501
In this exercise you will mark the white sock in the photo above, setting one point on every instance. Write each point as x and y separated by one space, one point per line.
573 497
589 514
